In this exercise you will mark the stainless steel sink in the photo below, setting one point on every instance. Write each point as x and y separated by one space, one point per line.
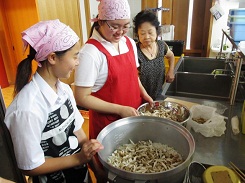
206 78
201 85
201 65
199 77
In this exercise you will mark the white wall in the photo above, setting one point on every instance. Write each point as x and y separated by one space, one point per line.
83 21
135 7
221 23
93 8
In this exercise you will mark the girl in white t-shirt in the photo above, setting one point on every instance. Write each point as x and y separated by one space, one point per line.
43 120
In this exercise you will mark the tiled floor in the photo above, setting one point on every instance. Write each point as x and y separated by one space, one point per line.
8 97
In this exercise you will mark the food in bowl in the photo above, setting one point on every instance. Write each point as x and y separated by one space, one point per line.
165 109
145 157
199 120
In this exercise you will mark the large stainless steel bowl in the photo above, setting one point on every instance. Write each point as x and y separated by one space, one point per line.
146 128
165 109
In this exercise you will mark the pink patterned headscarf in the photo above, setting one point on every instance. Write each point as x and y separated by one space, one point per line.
113 10
47 37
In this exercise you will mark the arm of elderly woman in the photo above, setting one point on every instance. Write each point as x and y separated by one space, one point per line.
170 74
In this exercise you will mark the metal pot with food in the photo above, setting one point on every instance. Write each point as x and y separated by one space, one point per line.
165 109
146 149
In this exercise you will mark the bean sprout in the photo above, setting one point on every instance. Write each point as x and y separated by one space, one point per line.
145 157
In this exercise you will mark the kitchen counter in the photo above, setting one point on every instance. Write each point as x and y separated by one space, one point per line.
219 150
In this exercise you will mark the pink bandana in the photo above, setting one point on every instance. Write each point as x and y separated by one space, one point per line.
47 37
113 10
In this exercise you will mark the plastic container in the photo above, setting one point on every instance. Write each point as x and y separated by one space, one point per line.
237 26
238 11
176 59
225 173
237 30
238 35
236 18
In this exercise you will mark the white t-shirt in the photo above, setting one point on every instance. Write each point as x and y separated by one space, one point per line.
92 70
36 114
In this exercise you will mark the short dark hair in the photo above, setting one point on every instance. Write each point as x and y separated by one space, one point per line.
146 16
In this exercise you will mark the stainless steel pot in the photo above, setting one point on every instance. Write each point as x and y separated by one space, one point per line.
146 128
176 112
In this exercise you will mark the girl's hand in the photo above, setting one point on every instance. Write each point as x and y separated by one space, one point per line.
89 149
126 111
148 99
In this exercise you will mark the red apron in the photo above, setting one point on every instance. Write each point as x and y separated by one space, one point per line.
121 86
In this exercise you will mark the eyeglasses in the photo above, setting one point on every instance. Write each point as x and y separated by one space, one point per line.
116 28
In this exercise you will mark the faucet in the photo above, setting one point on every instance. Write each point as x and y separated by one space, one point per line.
231 63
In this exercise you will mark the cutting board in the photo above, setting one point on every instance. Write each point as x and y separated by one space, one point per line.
183 102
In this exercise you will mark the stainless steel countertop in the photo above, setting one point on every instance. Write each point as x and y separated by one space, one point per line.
220 150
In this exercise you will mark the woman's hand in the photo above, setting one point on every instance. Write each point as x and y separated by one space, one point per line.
170 76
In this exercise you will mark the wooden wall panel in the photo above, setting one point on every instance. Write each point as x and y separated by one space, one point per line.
67 12
6 46
197 28
16 16
180 19
167 15
148 4
201 24
88 17
208 25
